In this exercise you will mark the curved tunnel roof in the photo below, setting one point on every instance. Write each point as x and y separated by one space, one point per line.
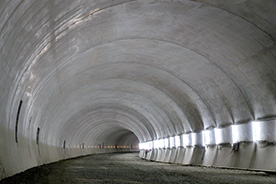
94 71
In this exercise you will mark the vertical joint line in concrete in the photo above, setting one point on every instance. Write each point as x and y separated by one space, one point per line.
17 119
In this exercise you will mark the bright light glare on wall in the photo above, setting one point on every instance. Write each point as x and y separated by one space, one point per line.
264 130
177 141
196 138
150 145
166 142
172 143
155 144
217 135
158 144
208 137
145 145
187 140
235 133
242 132
162 143
256 130
223 135
141 146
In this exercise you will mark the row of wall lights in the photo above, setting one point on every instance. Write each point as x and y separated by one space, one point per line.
105 147
253 131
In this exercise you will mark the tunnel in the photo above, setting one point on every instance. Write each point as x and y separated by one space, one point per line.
191 82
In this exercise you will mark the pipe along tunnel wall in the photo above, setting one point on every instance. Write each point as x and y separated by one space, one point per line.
75 75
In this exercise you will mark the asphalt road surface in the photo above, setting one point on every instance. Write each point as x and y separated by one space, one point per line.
129 168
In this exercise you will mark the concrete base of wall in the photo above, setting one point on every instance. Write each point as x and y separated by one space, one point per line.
35 155
250 156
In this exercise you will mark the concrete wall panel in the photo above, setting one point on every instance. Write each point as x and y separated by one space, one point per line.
173 155
263 157
244 156
180 155
210 155
188 155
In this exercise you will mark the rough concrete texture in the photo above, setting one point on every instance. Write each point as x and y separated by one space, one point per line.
103 72
129 168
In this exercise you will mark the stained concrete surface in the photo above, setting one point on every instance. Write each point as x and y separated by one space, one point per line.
129 168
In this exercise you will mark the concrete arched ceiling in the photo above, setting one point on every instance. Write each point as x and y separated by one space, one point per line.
95 71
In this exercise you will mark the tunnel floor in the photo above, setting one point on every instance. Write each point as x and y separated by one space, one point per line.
129 168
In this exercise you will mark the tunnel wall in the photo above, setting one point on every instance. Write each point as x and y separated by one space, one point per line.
245 146
33 155
95 71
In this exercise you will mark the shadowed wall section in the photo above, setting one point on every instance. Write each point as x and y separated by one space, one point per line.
81 77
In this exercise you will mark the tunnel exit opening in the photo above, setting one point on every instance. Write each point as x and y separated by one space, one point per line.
115 140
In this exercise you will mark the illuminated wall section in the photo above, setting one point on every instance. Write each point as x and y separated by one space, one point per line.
248 132
255 133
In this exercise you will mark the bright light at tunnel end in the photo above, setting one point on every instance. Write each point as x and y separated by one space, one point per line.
256 130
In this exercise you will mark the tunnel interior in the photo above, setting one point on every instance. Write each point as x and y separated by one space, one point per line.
195 77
